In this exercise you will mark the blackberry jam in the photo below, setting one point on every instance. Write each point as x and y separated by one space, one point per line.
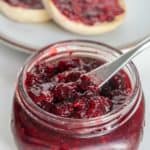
90 12
34 4
58 107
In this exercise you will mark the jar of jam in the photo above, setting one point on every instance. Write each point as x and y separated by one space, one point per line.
57 106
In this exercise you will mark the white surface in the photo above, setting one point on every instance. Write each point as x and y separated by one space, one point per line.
10 63
136 25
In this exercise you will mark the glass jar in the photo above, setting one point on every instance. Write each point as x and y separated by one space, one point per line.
36 129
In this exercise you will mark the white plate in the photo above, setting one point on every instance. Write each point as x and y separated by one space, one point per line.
30 37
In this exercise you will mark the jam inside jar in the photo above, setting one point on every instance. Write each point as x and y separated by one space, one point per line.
74 114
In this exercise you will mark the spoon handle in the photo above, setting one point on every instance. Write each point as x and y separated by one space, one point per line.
108 70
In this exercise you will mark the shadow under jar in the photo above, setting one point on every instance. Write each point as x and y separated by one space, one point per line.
35 129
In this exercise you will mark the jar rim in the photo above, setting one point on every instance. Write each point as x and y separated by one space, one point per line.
51 117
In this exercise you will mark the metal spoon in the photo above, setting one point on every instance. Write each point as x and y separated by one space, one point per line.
108 70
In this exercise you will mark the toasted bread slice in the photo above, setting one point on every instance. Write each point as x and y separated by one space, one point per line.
79 27
24 15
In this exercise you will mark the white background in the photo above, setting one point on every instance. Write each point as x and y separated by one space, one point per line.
11 61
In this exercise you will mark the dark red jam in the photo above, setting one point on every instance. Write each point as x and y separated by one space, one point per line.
62 88
34 4
90 12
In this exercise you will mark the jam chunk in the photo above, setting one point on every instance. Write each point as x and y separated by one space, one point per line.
63 89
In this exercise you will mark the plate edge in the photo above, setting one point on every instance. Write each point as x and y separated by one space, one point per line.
15 45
